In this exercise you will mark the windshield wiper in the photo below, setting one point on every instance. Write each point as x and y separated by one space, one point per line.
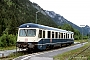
25 31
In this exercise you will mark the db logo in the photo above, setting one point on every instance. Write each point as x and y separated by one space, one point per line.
26 39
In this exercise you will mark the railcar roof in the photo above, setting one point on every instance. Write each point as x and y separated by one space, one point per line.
32 25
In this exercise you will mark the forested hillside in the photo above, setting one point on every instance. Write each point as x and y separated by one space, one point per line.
16 12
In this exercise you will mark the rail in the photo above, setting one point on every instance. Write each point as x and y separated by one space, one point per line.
79 53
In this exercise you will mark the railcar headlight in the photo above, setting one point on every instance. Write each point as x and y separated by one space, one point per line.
27 25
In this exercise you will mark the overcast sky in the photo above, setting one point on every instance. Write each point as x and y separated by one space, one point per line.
76 11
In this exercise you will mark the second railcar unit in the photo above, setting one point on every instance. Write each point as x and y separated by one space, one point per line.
38 36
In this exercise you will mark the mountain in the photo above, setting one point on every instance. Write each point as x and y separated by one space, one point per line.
60 20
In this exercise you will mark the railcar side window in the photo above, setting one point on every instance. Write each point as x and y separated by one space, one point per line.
61 35
64 35
68 35
71 35
56 34
43 34
52 34
49 34
40 33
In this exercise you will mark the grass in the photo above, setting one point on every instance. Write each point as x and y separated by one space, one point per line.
85 40
7 48
11 56
68 55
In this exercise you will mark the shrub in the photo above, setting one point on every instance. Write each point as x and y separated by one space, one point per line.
3 40
7 40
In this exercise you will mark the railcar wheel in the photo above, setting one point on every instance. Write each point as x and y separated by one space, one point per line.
29 50
51 46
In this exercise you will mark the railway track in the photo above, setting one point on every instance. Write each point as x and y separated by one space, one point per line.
41 53
79 53
28 56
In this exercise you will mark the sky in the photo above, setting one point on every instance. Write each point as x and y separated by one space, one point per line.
75 11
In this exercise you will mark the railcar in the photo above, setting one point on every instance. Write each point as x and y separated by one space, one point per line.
32 36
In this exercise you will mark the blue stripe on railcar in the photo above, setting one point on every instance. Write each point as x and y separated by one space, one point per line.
44 42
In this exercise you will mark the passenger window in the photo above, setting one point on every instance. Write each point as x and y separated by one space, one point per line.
64 35
40 33
68 35
61 35
49 34
52 34
43 34
71 35
56 34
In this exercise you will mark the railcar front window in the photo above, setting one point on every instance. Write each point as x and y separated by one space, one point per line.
22 32
27 32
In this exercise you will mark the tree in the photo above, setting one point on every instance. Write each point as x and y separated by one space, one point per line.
77 34
67 27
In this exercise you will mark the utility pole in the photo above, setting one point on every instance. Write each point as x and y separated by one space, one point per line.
36 16
82 31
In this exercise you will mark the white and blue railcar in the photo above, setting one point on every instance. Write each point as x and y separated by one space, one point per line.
34 36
